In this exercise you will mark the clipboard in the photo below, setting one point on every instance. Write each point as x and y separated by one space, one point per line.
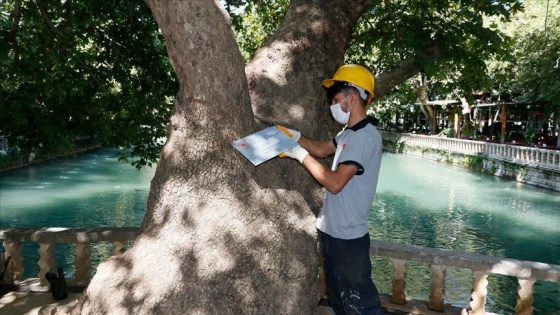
264 145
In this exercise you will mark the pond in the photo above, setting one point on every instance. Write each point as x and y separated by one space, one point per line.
418 202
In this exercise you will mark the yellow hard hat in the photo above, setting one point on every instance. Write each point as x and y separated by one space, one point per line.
356 76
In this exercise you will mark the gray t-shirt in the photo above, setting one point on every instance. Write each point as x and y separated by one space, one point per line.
345 215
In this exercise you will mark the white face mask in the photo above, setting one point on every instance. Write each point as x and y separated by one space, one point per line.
338 114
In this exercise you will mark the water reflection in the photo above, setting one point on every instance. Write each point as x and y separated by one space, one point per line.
429 204
89 190
418 203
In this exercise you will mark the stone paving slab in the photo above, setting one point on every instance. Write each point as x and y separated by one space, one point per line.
35 303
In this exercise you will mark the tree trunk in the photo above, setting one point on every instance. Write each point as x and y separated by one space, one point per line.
428 110
221 236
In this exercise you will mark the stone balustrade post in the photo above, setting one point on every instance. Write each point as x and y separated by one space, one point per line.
47 261
15 267
399 281
437 288
478 296
83 263
525 292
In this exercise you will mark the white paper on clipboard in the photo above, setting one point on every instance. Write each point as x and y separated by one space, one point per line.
264 145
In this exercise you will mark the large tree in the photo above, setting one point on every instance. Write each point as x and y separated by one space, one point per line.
220 235
532 74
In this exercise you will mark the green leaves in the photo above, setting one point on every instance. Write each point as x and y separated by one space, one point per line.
81 69
254 22
531 73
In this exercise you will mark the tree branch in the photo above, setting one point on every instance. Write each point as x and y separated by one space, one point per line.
64 45
403 70
16 16
48 21
394 17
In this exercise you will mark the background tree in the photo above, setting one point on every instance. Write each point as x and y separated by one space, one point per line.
531 74
219 235
77 70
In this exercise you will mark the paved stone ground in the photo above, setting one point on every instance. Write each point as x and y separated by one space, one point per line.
34 303
42 303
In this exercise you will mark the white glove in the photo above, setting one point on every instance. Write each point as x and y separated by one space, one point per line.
297 153
294 134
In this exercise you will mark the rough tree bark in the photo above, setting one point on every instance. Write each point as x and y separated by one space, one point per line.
428 110
221 236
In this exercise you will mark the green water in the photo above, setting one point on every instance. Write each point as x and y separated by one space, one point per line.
418 203
89 190
425 203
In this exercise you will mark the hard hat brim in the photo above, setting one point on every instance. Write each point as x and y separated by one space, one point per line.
327 83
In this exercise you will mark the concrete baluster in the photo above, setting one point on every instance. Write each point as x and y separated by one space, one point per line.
83 263
47 261
119 247
539 155
15 268
478 296
525 292
437 288
399 281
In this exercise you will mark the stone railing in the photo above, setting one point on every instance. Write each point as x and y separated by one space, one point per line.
48 237
530 156
526 272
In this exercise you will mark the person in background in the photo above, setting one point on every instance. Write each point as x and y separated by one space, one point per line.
351 184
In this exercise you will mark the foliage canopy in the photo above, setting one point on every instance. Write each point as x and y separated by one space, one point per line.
75 70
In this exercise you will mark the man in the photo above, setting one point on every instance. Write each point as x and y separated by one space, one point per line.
351 184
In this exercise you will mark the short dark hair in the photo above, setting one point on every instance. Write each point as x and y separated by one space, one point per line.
340 86
335 89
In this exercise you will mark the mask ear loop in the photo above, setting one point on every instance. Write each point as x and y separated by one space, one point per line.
349 108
